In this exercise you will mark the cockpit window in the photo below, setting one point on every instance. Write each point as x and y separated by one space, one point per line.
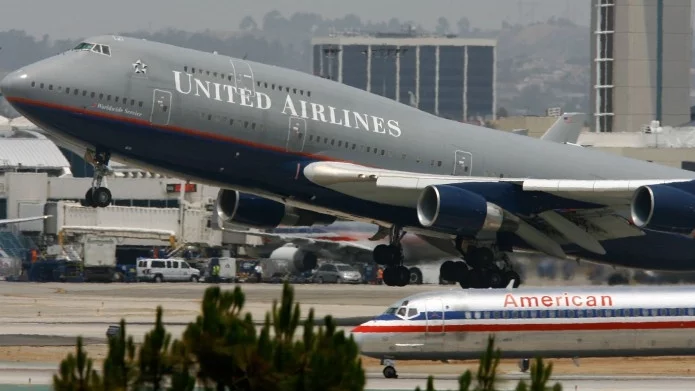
401 311
101 49
390 311
84 46
412 312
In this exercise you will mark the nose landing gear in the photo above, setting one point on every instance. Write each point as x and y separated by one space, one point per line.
98 196
391 256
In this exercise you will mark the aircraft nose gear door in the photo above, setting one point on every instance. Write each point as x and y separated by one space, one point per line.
463 163
296 136
243 75
161 107
435 322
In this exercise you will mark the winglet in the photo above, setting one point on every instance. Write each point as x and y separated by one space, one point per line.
511 284
566 129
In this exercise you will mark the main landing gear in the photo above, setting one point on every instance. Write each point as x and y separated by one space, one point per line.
98 196
481 268
391 256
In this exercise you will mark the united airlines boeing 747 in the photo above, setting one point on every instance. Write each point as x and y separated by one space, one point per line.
289 148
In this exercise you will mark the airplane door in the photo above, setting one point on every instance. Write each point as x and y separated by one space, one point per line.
243 76
463 163
435 319
161 107
296 135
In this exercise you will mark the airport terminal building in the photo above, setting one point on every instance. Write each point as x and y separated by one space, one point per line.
446 76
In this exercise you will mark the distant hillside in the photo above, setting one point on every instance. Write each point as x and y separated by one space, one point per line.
552 41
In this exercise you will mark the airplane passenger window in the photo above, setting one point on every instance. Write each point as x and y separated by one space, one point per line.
272 86
265 84
67 90
332 141
115 99
311 137
301 92
33 83
207 73
84 92
101 96
369 149
253 126
280 88
375 151
294 90
318 139
132 102
382 152
200 71
192 70
185 68
354 146
231 121
439 163
140 104
93 94
325 140
308 93
246 124
108 97
214 74
209 117
50 87
41 85
287 89
76 91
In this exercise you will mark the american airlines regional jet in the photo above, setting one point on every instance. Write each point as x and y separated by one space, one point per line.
289 148
550 322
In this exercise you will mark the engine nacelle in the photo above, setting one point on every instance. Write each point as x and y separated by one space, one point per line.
453 209
251 211
300 260
663 208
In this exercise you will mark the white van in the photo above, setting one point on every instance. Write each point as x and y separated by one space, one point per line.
169 270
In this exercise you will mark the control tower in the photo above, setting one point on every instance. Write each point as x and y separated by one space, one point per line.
641 56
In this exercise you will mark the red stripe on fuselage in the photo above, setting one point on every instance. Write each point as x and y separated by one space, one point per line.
177 129
603 326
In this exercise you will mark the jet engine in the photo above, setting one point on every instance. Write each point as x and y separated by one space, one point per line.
466 213
300 260
250 211
663 208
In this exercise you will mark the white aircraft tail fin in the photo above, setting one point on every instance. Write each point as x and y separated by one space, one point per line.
566 129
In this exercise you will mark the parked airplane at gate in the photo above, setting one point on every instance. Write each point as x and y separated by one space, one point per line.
289 148
548 322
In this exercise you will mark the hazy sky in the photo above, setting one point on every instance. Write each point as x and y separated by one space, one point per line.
79 18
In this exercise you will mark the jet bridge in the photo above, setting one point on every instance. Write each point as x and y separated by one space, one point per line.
97 246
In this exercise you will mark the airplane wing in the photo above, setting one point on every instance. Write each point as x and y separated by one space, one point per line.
308 242
566 129
582 212
22 220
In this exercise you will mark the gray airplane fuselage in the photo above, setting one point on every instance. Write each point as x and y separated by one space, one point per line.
253 127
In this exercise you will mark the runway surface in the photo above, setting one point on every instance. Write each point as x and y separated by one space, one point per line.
40 322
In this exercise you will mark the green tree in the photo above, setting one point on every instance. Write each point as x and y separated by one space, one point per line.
153 358
119 369
76 372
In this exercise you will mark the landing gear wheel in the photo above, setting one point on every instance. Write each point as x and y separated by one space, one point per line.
495 278
415 276
101 197
447 271
390 372
389 276
88 199
386 254
403 276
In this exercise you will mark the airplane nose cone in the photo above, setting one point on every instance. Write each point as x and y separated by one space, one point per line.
10 84
5 85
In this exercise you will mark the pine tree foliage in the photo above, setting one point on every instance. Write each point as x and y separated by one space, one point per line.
76 372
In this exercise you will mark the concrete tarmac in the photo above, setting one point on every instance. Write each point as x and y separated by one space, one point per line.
39 324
